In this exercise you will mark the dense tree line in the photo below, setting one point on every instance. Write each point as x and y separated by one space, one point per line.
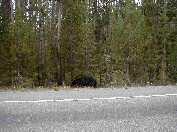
119 42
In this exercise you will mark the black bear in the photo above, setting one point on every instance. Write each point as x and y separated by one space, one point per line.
84 81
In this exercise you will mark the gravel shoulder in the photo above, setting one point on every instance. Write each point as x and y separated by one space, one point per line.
86 93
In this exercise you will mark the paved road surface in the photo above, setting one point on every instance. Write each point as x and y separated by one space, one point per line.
148 109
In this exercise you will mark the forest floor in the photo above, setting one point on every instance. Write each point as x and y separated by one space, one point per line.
68 88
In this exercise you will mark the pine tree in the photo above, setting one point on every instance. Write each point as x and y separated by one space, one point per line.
5 45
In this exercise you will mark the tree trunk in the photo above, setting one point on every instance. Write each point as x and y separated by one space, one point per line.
164 64
19 6
58 44
6 8
41 49
56 29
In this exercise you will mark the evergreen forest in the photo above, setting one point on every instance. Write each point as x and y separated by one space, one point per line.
118 42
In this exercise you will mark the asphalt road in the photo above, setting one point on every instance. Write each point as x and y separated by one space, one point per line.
147 109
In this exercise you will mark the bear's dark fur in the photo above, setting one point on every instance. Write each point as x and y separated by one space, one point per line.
84 81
